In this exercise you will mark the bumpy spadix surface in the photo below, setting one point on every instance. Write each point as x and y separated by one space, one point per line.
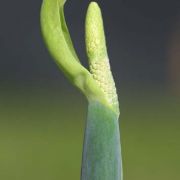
97 54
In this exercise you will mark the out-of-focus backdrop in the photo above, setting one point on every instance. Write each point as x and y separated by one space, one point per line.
42 117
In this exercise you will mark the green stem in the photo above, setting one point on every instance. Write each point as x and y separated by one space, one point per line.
102 150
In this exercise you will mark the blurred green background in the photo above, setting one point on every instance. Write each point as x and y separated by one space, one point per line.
42 117
41 133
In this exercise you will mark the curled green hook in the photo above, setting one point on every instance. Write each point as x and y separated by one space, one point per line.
97 84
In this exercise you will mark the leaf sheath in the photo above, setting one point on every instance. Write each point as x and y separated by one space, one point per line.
102 152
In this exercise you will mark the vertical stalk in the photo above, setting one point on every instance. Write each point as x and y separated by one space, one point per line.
102 150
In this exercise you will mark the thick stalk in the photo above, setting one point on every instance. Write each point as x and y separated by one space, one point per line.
102 150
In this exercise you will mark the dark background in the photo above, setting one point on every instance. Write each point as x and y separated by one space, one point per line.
139 37
42 115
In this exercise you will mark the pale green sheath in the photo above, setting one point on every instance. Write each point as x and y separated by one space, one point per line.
102 151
